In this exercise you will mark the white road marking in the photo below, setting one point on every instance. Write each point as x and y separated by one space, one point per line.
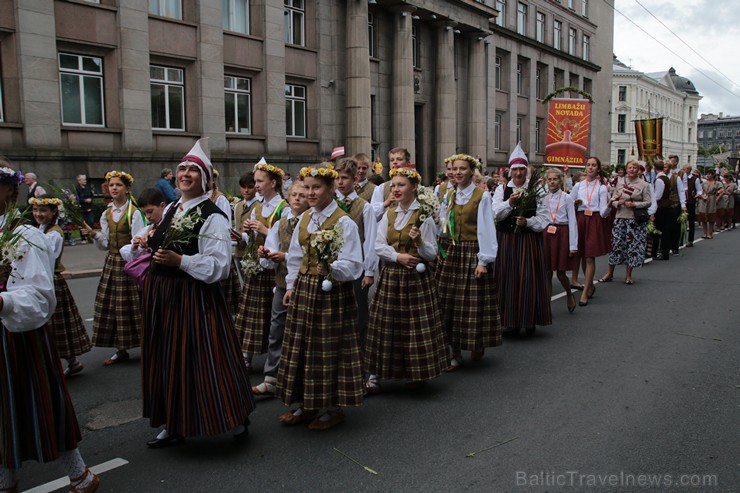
63 482
89 320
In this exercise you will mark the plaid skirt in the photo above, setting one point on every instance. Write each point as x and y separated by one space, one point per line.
629 243
557 249
37 420
593 237
320 362
117 311
405 339
470 309
194 380
524 290
232 287
254 310
66 325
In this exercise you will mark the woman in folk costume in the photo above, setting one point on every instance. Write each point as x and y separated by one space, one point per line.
521 278
115 322
272 256
405 338
37 419
255 301
320 367
194 381
70 335
591 198
465 278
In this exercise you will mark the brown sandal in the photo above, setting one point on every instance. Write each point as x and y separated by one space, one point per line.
90 488
336 417
290 419
119 358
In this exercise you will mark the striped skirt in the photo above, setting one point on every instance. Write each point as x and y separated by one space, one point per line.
524 290
232 287
253 314
37 420
405 338
593 237
70 336
629 243
470 308
194 380
117 315
320 362
557 249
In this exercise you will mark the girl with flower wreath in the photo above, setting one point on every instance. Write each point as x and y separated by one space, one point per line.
66 324
320 367
116 319
255 302
405 339
37 419
465 277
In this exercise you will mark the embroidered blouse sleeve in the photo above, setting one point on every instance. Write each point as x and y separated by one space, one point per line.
102 238
501 207
348 265
213 260
382 248
368 247
487 243
272 244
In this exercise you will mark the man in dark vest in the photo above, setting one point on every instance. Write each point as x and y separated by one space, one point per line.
678 200
666 198
693 189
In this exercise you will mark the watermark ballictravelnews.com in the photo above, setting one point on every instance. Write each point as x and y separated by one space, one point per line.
621 479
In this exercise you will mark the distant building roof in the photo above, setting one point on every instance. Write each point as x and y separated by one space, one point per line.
682 83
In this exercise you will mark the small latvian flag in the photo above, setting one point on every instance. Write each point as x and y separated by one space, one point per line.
337 152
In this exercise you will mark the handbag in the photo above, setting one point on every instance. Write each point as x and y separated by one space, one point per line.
138 268
641 215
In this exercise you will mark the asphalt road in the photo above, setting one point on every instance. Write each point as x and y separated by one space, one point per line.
642 381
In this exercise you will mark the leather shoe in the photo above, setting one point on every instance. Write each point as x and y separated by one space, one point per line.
165 442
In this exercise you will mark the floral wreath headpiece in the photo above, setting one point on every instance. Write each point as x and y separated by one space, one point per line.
409 173
464 157
8 175
269 168
46 201
119 174
327 172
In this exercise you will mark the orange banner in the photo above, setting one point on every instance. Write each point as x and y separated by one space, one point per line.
568 125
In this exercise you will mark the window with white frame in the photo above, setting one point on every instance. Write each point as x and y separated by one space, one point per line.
415 46
622 93
572 35
519 78
586 48
571 4
538 83
690 134
540 28
372 34
168 98
557 35
81 89
295 14
166 8
236 15
521 19
584 8
295 110
501 17
518 129
691 112
538 135
497 75
621 123
497 131
238 104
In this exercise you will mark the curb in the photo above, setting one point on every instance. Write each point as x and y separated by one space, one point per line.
79 274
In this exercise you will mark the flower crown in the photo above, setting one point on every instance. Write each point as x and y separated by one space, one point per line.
327 172
119 174
409 173
269 168
464 157
8 175
46 201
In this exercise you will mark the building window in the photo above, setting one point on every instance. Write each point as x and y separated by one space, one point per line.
295 110
559 78
166 8
571 4
622 93
540 31
557 35
518 129
295 12
537 83
690 134
701 134
81 87
621 156
586 47
238 104
519 78
584 8
538 135
572 35
371 34
621 123
168 98
236 15
501 17
497 75
497 132
691 112
415 47
521 19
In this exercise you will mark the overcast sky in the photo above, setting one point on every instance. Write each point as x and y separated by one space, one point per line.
711 27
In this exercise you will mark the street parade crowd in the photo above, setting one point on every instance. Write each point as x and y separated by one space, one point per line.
343 284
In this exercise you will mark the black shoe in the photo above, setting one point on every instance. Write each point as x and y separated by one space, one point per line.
240 438
165 442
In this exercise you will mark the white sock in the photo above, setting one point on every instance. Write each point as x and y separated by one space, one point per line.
8 478
298 411
163 434
75 467
372 380
330 413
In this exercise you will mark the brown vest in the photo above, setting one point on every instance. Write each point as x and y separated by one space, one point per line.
665 199
307 265
58 267
442 189
355 213
386 190
691 194
285 233
120 231
466 218
240 215
366 192
673 196
267 221
400 240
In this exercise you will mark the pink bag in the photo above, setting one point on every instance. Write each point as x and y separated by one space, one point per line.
138 268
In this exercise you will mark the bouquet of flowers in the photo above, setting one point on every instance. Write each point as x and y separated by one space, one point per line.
326 244
429 203
652 230
534 190
250 262
11 247
180 230
71 210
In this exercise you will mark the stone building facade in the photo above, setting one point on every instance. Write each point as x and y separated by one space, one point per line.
721 130
88 86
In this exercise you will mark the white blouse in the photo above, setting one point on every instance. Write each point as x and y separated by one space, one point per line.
348 265
102 238
427 251
56 242
376 201
267 209
272 242
222 203
594 196
560 205
502 209
370 224
487 242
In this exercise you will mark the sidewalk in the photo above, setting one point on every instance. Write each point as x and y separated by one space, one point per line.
82 261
